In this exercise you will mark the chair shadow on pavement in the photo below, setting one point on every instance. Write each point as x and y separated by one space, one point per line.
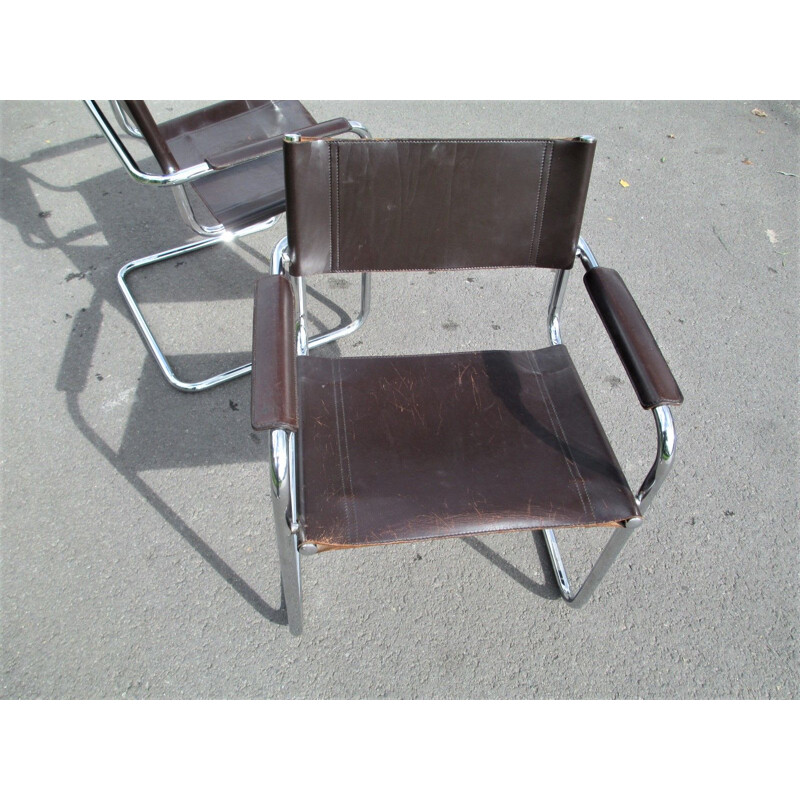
161 429
97 265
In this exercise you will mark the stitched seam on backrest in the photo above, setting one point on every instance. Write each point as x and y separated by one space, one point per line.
355 270
549 152
536 210
338 215
444 141
330 205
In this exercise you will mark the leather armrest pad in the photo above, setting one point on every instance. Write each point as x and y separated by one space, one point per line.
273 402
647 369
248 152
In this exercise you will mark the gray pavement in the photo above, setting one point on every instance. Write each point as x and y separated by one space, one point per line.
137 551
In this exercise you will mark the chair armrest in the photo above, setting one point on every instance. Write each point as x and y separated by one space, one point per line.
249 152
177 178
273 401
647 369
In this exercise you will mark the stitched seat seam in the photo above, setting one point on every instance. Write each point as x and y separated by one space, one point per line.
349 497
566 451
339 441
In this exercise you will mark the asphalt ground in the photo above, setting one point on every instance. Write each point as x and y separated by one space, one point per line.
138 555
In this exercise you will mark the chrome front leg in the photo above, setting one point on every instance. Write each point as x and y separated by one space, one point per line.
665 457
598 571
284 507
556 304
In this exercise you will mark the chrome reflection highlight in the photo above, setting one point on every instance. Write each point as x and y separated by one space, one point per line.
284 504
124 120
556 303
153 179
665 458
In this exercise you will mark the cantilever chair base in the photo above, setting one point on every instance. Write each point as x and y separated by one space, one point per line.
236 372
147 334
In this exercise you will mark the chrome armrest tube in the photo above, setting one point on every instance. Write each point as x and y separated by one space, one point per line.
665 428
554 310
172 179
124 119
188 215
556 303
283 476
359 130
585 254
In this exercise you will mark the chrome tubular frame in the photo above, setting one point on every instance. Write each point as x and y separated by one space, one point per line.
215 234
144 329
599 569
285 468
556 303
177 180
124 120
352 326
366 279
665 430
585 254
285 475
284 507
359 129
170 179
189 217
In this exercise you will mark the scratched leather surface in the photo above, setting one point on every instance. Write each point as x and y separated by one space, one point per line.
647 368
407 448
361 205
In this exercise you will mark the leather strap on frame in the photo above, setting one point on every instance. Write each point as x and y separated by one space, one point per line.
273 401
647 368
374 205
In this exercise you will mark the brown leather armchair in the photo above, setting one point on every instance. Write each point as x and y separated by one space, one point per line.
379 450
230 156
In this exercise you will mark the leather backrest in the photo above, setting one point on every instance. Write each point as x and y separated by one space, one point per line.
374 205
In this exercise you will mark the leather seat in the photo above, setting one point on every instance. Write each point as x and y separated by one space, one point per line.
398 449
